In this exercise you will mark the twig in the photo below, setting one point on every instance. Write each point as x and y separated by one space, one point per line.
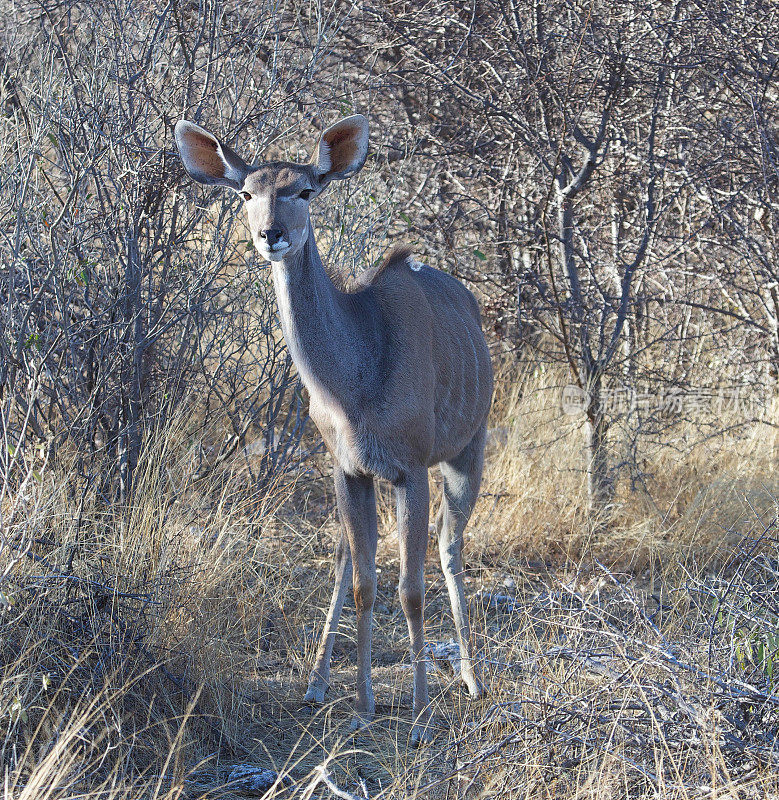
323 776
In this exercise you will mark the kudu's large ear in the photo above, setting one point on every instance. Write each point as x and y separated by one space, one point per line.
206 159
342 149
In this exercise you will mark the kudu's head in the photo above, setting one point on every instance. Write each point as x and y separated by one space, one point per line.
277 193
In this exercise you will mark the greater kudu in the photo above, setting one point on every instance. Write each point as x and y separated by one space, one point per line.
399 378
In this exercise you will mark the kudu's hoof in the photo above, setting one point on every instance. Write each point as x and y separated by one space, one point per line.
421 734
476 690
361 722
315 695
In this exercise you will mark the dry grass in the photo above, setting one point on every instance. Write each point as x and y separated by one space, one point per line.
144 656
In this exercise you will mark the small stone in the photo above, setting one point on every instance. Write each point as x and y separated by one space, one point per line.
500 602
251 780
445 653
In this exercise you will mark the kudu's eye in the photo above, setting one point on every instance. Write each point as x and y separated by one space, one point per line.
306 193
246 196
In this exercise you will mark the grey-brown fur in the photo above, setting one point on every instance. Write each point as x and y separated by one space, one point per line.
399 377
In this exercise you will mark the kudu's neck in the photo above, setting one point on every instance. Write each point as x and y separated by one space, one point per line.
335 338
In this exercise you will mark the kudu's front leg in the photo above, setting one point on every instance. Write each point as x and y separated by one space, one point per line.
319 680
357 509
413 502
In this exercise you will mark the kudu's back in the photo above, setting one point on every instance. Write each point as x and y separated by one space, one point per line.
442 364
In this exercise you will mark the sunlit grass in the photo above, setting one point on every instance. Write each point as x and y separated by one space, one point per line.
150 653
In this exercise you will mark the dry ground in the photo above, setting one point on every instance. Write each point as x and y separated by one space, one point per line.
145 656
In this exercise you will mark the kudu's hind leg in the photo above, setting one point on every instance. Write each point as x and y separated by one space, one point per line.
462 478
319 679
413 501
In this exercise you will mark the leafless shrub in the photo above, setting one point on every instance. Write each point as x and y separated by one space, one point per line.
121 294
583 164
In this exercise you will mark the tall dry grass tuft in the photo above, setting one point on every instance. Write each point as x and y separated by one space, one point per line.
533 493
129 632
697 495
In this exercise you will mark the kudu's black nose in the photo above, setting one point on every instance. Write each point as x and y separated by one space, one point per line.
272 236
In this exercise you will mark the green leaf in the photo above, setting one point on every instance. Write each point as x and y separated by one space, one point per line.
480 255
33 339
16 711
405 218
